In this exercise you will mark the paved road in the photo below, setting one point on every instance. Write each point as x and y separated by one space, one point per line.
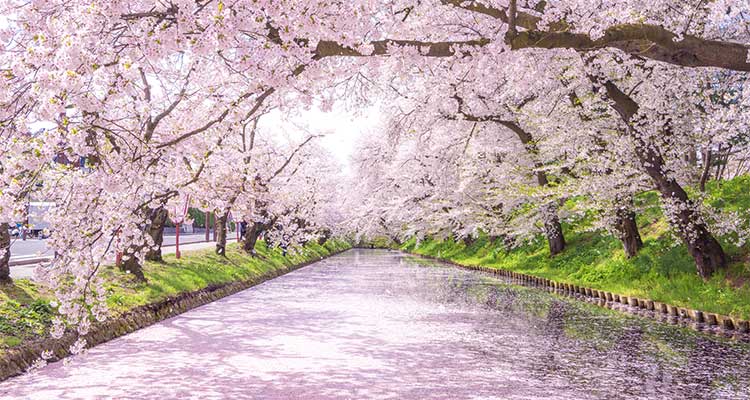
371 324
29 247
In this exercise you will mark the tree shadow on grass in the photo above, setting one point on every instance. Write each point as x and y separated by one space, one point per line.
20 290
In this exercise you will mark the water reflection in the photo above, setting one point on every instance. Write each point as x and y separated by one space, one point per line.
380 324
603 353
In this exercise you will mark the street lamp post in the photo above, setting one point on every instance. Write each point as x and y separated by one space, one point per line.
118 255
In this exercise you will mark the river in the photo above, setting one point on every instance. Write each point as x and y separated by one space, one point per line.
385 325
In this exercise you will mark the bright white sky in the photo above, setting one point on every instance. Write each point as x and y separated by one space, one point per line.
342 128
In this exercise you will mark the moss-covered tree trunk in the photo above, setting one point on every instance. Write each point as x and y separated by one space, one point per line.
4 253
553 229
155 229
132 265
325 234
251 237
157 217
627 231
221 233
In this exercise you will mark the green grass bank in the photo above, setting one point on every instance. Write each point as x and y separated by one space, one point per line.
662 271
26 313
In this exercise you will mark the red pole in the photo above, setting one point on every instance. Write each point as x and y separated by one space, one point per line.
118 256
177 241
237 229
208 221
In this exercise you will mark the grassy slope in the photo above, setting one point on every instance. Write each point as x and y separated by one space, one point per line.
25 312
661 271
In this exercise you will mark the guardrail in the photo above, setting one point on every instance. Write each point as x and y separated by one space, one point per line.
37 259
28 260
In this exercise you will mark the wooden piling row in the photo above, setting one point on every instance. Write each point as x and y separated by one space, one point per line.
709 319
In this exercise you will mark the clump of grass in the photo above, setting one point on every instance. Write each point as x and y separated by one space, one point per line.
20 321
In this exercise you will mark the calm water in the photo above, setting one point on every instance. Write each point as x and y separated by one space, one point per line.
379 324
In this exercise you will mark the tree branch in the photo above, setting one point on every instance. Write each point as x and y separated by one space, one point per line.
291 156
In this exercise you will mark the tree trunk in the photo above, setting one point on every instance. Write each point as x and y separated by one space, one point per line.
4 253
324 236
133 266
708 254
553 229
718 164
251 237
221 233
707 156
155 229
468 241
627 231
702 246
508 243
724 161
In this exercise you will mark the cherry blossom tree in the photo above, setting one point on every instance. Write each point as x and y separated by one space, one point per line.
501 112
